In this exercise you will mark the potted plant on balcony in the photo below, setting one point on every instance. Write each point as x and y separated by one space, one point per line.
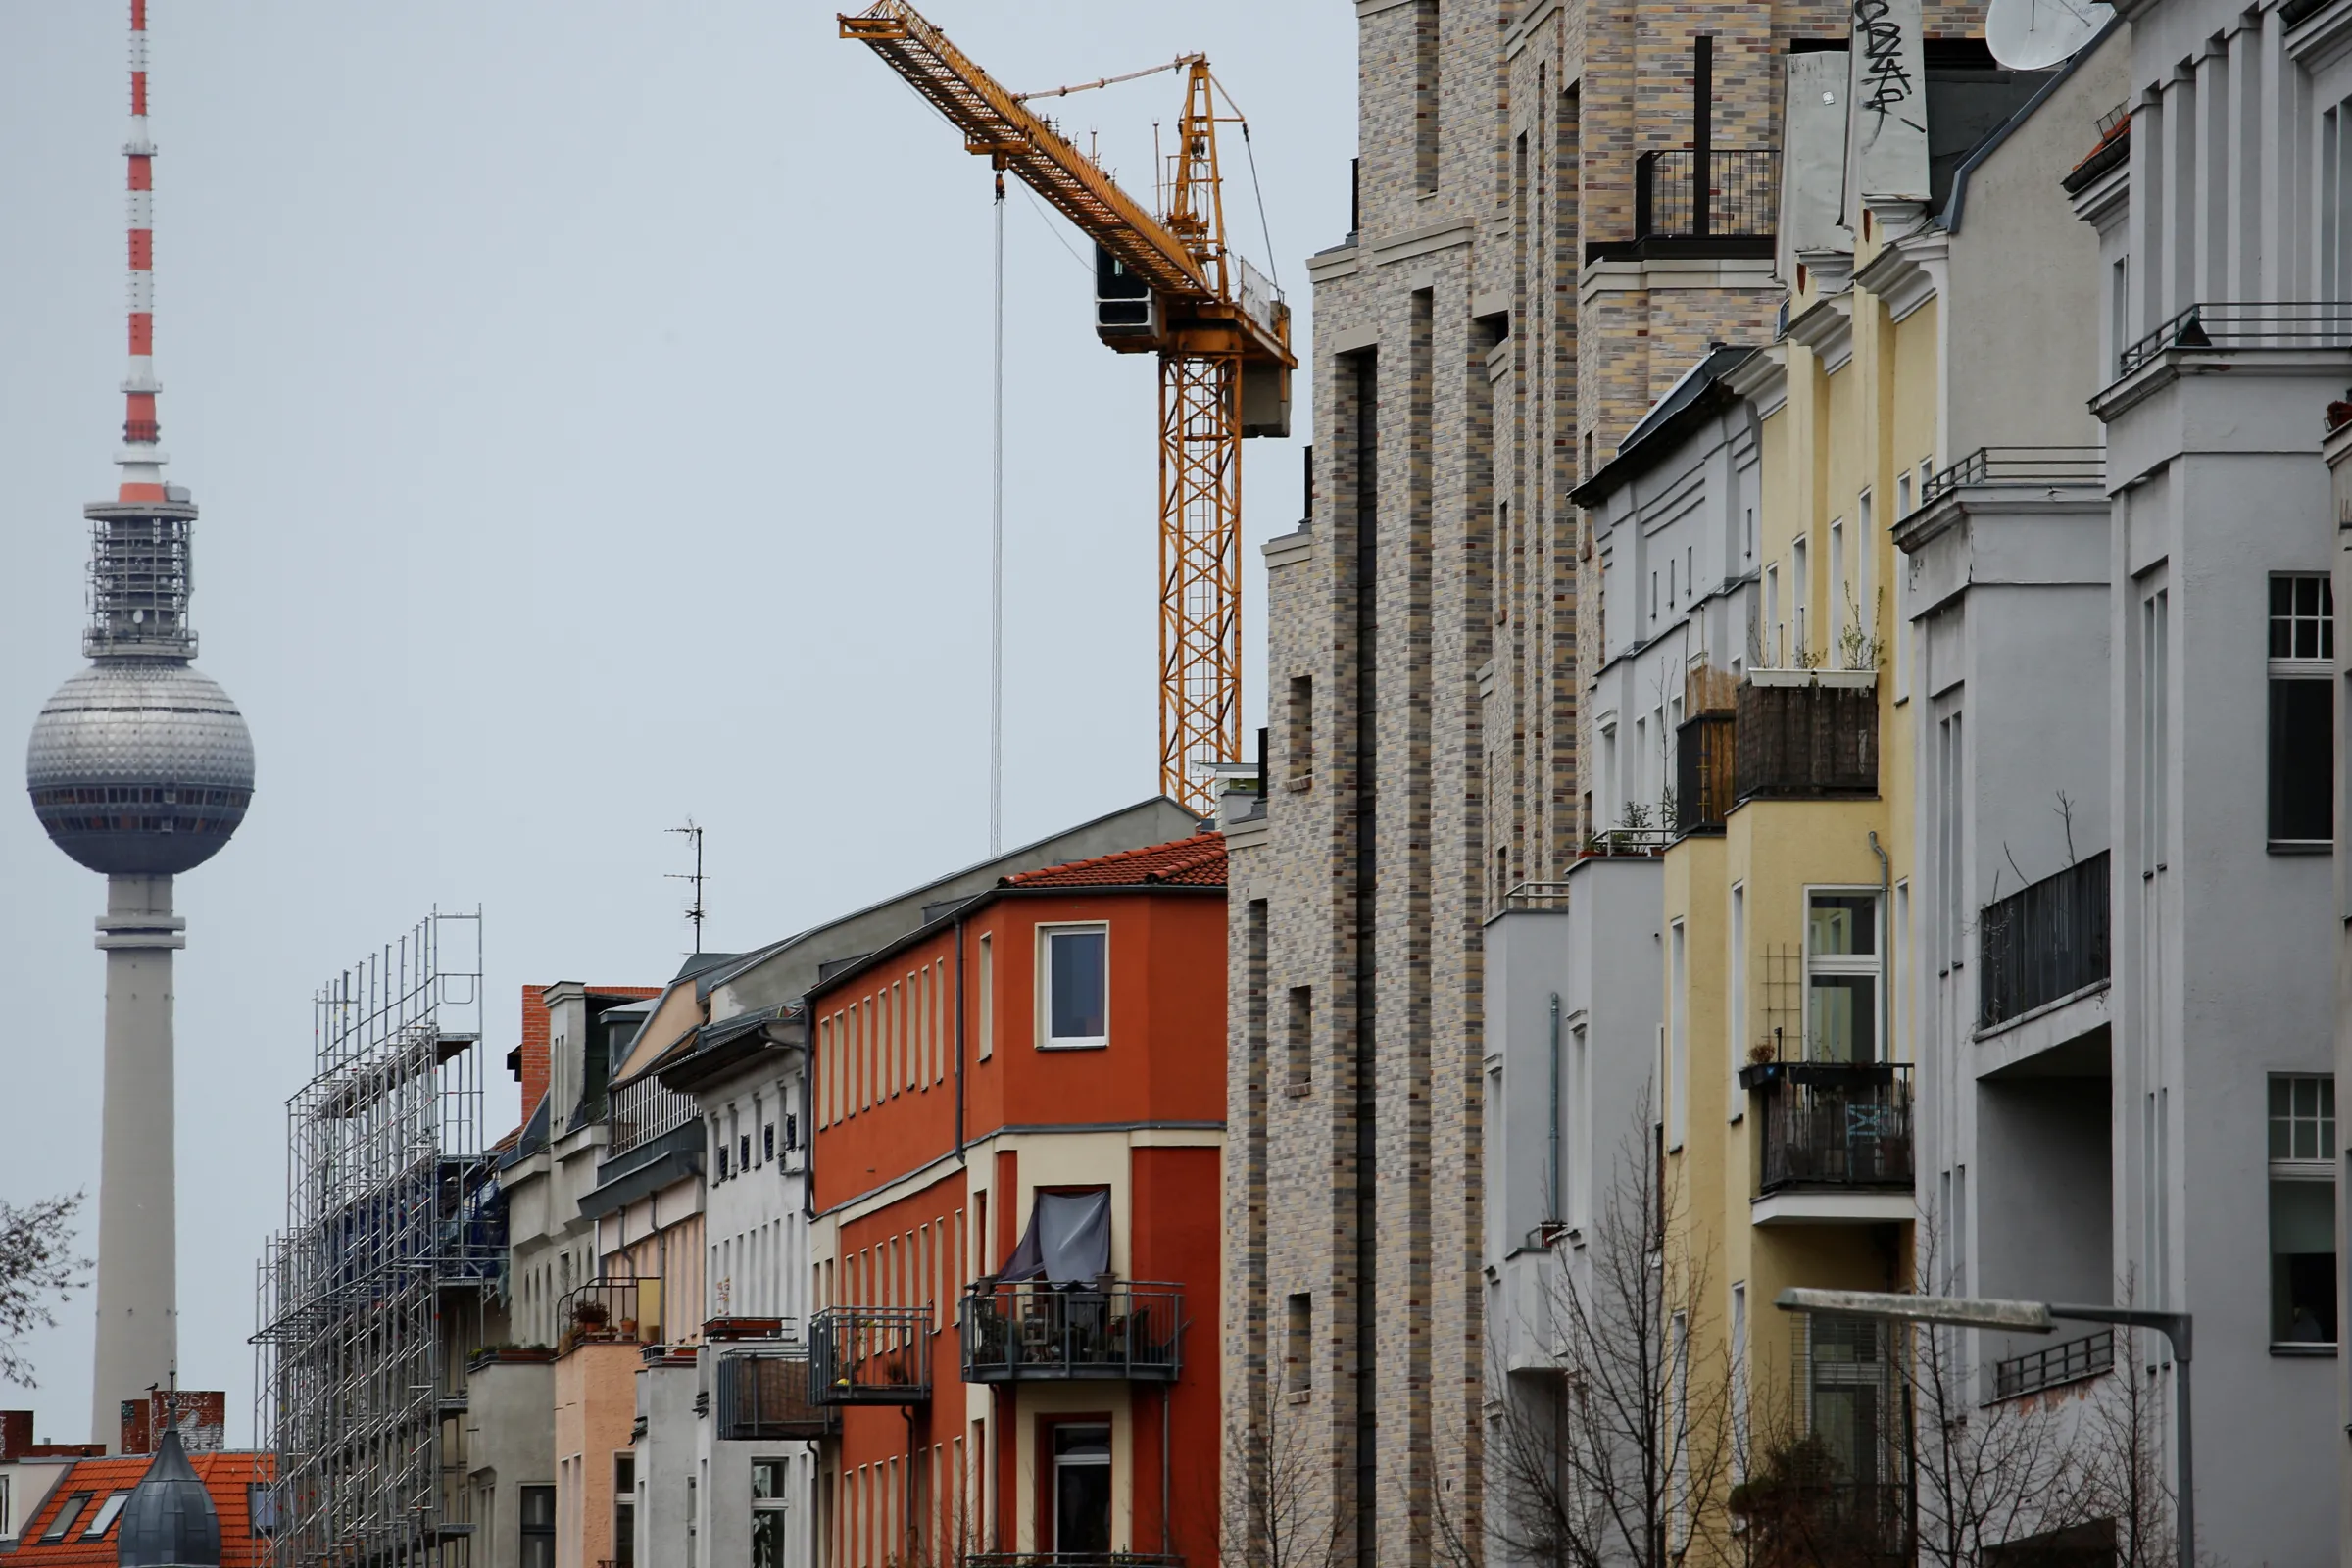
591 1315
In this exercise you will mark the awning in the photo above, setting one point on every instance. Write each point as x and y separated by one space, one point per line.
1068 1239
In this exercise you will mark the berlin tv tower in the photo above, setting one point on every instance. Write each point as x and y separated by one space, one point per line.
140 768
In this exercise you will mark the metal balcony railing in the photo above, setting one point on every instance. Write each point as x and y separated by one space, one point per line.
1833 1125
2070 1363
1739 198
2022 468
2048 940
1807 741
1072 1560
644 1111
1031 1330
1861 1524
2245 324
870 1356
609 1312
1706 772
764 1396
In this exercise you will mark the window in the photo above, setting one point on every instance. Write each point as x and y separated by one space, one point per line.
767 1513
1842 593
987 997
792 1132
768 1141
1902 496
1737 1356
1081 1455
67 1512
104 1519
1299 732
1842 977
1747 536
2155 722
1299 1349
1077 984
2302 807
1300 1033
743 1151
723 1160
537 1512
1775 648
1735 1030
1677 1061
1800 593
624 1510
2302 1153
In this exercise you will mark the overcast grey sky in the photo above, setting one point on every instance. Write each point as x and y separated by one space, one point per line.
588 405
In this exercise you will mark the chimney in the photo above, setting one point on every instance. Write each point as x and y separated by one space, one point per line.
16 1434
532 1067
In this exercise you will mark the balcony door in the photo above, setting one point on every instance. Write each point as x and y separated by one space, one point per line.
1842 977
1080 1486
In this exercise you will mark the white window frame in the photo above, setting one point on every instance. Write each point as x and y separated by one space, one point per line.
1047 1040
1841 963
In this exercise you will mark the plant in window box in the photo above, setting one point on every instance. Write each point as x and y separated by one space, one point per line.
591 1315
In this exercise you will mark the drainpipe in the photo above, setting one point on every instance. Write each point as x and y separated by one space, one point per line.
1552 1171
1885 949
1168 1393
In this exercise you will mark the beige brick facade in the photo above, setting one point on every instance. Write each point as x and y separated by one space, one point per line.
1472 346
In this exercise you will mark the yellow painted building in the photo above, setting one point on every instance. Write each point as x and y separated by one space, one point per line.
1786 1064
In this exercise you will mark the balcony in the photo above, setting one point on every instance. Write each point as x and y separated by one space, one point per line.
1034 1332
1706 774
1807 735
2044 942
870 1356
1072 1560
2232 325
2019 467
1830 1126
1793 1519
609 1312
2070 1363
1733 211
763 1395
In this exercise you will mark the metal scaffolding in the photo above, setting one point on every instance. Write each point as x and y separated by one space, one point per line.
373 1296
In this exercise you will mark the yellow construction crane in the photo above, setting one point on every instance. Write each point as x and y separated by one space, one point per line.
1165 283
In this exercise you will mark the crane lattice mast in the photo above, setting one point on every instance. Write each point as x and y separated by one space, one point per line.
1165 284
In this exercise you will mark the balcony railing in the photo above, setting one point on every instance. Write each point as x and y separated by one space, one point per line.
644 1111
870 1356
1834 1124
609 1312
1706 774
2048 940
1807 740
2022 467
2070 1363
1072 1560
1031 1330
1842 1522
763 1395
2233 324
1739 200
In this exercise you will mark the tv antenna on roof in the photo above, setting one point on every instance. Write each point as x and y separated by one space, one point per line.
693 909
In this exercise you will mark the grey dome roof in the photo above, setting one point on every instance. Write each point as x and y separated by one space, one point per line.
170 1521
140 768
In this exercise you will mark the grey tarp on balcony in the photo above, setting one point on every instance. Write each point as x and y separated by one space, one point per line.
1068 1239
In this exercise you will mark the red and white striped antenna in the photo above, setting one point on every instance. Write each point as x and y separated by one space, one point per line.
141 459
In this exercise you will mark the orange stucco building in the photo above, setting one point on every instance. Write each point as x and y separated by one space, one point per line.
1019 1116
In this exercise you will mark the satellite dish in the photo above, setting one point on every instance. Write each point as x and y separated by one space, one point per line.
2036 35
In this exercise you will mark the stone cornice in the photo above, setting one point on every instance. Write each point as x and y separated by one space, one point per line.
1762 378
1908 273
1828 329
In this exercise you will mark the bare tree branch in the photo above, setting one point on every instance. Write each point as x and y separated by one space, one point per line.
36 1264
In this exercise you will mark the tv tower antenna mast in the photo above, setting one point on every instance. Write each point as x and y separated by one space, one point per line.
140 768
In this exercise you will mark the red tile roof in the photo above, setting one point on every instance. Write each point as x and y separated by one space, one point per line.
225 1475
1196 861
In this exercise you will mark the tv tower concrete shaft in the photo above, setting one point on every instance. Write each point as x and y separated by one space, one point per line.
138 1311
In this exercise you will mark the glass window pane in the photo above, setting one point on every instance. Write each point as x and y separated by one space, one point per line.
1842 1015
768 1478
768 1539
1075 961
2282 1138
2281 1096
2302 761
1843 924
2303 1262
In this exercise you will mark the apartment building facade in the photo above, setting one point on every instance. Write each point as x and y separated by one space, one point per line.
1528 274
2225 209
1017 1150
